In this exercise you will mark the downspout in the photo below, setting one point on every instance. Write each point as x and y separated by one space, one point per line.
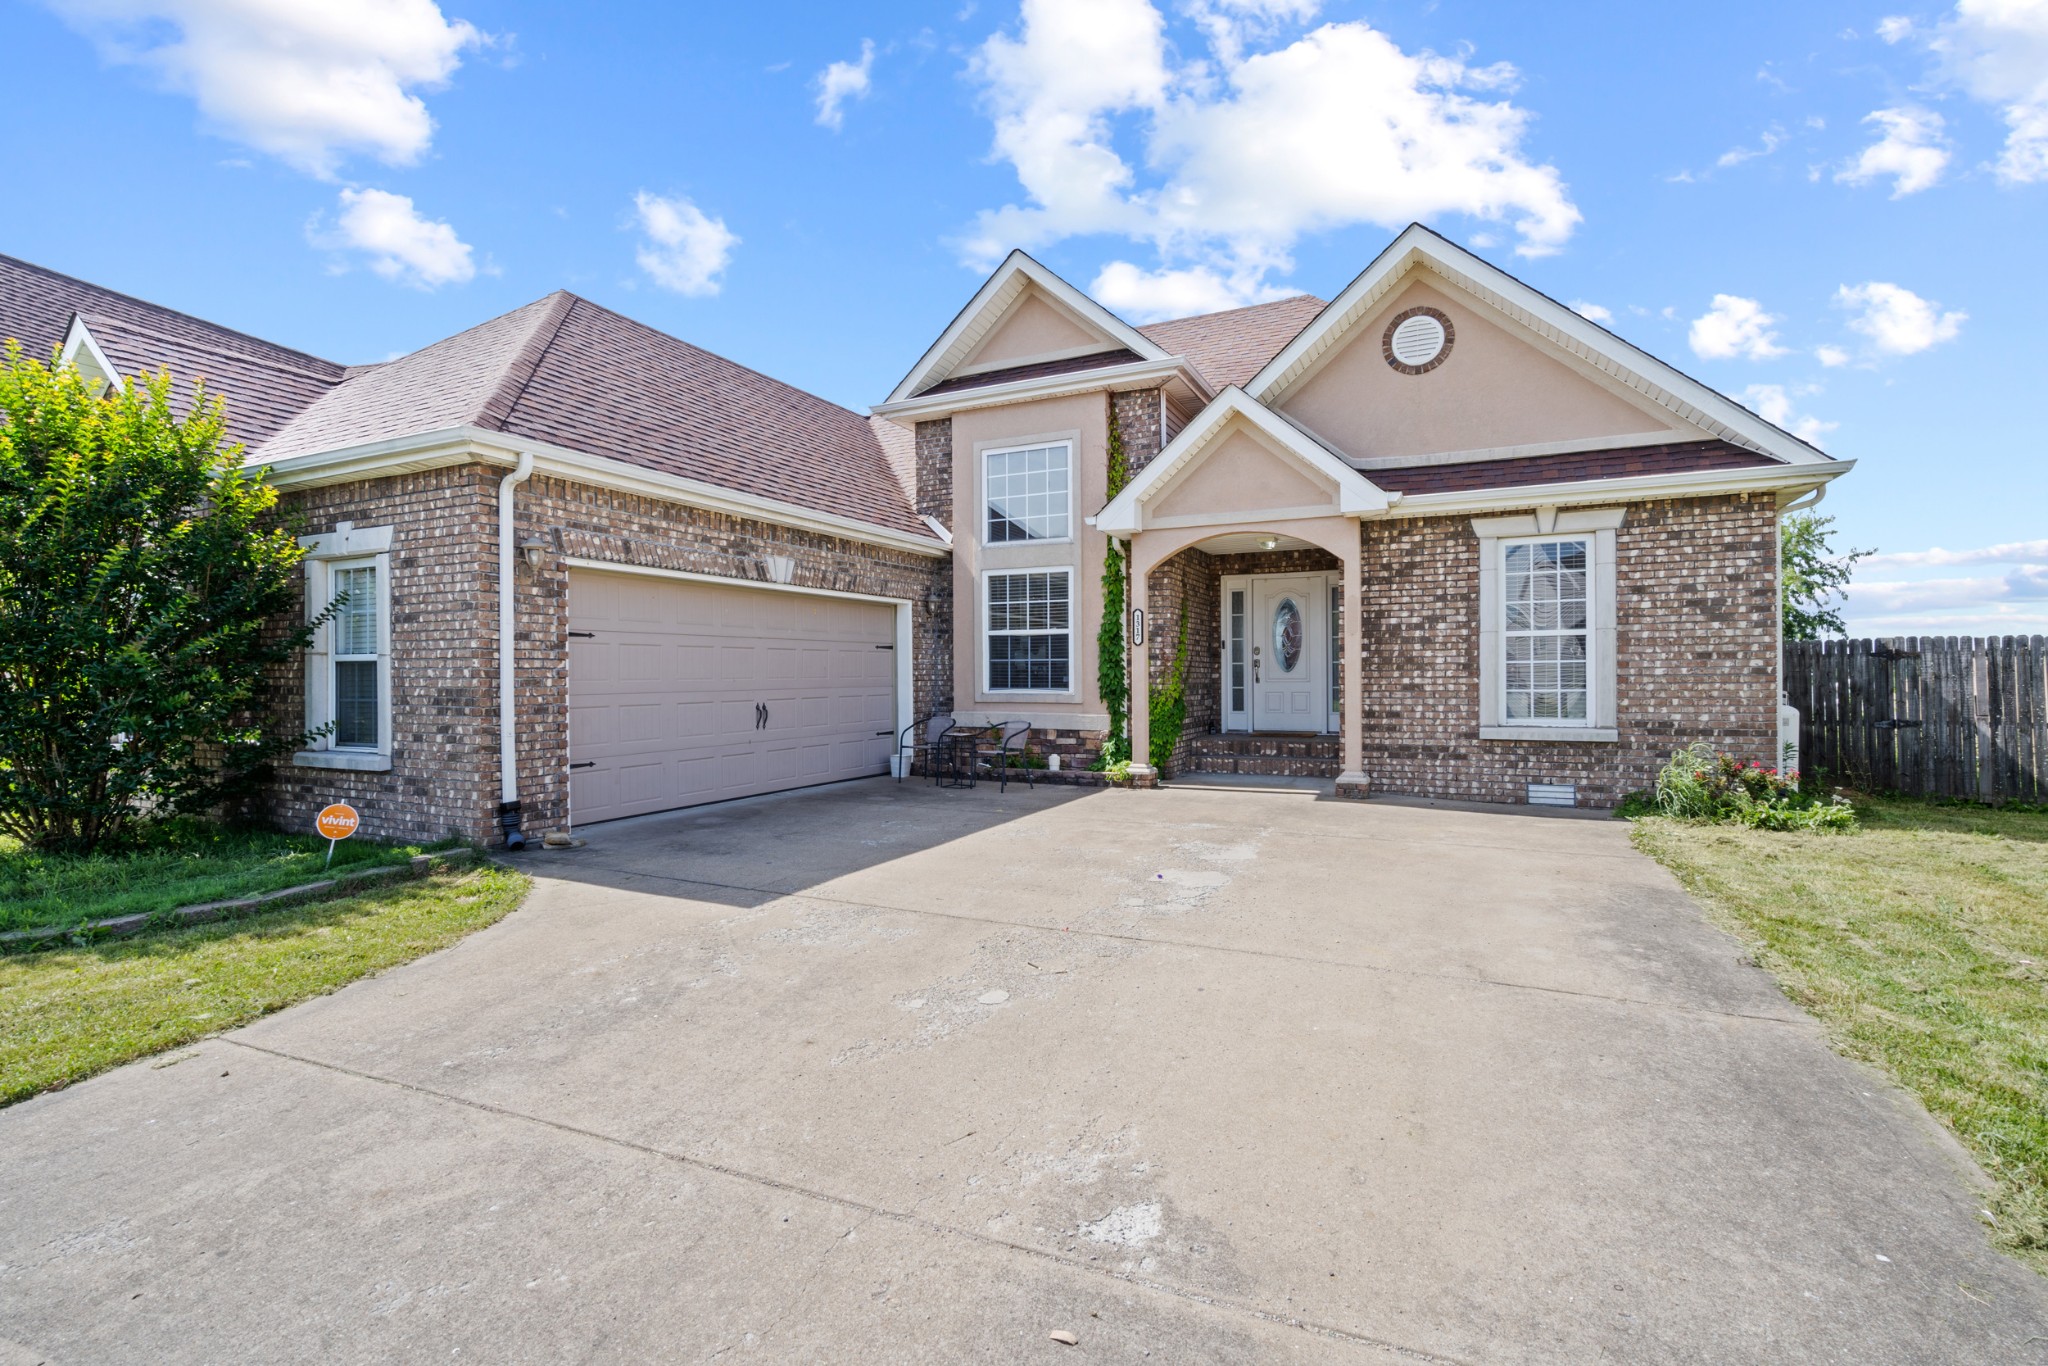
508 743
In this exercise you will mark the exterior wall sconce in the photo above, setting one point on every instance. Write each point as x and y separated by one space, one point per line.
779 568
535 549
1137 626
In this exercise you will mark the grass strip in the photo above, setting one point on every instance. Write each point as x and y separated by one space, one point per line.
1920 942
66 1014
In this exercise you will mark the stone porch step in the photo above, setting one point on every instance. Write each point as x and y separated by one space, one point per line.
1271 755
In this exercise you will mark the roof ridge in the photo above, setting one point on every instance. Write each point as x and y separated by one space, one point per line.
715 355
1241 308
161 308
504 397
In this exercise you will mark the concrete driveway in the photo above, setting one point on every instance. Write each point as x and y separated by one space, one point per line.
883 1073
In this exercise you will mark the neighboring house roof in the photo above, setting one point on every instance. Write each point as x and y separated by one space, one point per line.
263 384
1232 346
568 372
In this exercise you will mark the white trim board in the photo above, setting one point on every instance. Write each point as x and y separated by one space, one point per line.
1141 374
78 337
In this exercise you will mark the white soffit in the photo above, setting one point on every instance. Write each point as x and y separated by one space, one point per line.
1355 493
1017 274
1618 361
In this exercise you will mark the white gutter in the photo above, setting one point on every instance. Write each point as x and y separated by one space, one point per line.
508 716
459 445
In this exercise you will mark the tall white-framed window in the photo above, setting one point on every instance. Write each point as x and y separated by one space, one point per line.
348 667
1547 638
1028 493
1028 640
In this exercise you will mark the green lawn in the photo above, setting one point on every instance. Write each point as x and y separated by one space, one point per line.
68 1013
1921 943
179 863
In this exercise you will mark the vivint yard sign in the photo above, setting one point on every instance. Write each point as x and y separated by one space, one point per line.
337 823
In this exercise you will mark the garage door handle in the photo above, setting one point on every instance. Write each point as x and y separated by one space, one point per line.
583 635
587 763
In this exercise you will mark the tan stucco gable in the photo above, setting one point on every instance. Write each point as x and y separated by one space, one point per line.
1032 329
1499 390
1241 476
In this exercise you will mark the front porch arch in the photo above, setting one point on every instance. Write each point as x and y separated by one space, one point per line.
1338 535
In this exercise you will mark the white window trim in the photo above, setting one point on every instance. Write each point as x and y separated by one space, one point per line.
991 692
345 548
1597 526
982 454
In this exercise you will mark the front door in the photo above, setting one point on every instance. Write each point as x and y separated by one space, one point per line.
1290 653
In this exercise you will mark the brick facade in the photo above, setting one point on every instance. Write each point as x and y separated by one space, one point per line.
444 775
1696 615
1141 417
933 496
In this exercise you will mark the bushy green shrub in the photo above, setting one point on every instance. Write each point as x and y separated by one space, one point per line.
1699 784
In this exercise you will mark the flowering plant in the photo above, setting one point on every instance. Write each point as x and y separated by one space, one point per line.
1699 784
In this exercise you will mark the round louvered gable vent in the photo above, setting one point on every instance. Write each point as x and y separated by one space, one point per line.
1417 341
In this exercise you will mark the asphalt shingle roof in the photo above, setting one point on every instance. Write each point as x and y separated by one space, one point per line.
264 384
1232 346
560 370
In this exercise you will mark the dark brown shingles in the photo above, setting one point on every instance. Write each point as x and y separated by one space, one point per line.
471 379
612 387
263 383
1037 370
1530 471
1232 346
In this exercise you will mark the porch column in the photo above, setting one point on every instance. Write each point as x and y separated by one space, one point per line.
1139 665
1351 782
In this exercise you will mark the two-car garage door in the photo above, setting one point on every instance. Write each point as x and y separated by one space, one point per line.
683 692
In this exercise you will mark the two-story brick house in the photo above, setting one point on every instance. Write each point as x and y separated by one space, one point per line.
594 570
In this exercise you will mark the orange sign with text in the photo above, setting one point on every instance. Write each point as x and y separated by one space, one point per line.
338 821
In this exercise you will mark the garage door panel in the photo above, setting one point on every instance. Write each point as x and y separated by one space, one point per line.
663 692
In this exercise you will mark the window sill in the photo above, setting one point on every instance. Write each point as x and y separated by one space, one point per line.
1582 734
351 761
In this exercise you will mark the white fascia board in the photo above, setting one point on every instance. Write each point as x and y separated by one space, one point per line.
456 445
79 338
1669 387
1131 375
1356 495
1685 484
1003 285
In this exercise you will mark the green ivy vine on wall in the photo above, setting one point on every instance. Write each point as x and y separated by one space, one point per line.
1112 659
1170 704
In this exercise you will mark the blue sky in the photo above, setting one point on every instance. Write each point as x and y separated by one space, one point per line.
1833 212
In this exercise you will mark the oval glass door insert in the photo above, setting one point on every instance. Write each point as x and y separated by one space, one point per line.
1287 634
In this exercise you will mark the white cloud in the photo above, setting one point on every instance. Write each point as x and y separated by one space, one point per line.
1831 356
1772 139
306 83
2010 552
1774 404
1897 321
1245 150
1734 327
1997 50
1592 312
1148 295
2025 583
1895 28
686 250
843 81
401 245
1912 151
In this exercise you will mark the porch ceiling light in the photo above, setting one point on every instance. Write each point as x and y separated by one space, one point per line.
1269 543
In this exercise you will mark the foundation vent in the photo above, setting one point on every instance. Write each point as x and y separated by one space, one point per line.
1553 794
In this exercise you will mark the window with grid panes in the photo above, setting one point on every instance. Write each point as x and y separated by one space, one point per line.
1546 630
1030 631
1028 494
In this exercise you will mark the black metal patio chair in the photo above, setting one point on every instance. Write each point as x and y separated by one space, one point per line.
1004 739
931 744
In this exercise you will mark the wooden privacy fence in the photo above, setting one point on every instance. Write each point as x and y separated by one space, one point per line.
1935 716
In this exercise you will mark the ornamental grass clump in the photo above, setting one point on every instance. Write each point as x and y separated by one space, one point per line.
1699 784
